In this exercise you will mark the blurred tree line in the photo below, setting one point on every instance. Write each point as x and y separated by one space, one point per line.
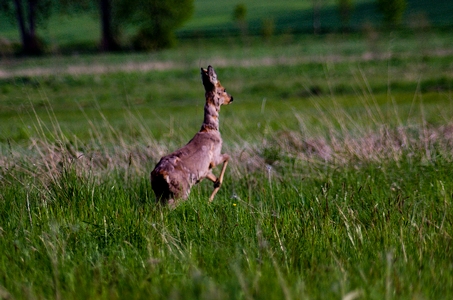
154 20
391 11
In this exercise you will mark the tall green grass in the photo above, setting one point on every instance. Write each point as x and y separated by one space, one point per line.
378 230
352 199
339 184
350 232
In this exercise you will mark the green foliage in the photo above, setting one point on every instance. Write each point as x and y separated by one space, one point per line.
392 11
28 15
239 17
156 20
44 9
240 13
78 30
268 28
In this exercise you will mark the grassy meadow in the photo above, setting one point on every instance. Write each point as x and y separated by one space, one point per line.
339 184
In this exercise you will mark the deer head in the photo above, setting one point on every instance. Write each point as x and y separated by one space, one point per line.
213 87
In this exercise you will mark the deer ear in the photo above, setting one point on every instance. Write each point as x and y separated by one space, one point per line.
209 78
212 75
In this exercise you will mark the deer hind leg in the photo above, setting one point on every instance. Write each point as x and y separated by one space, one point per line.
218 181
168 189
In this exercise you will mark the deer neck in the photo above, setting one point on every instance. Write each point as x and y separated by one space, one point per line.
211 113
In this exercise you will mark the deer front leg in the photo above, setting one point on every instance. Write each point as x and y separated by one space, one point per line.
212 177
219 180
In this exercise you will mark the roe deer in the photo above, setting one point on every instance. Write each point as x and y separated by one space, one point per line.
177 172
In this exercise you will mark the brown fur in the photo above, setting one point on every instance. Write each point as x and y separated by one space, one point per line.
176 173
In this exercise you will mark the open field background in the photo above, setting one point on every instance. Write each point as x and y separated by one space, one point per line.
340 183
78 32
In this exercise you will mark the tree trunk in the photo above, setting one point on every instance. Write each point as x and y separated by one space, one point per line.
32 16
21 22
108 42
30 43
